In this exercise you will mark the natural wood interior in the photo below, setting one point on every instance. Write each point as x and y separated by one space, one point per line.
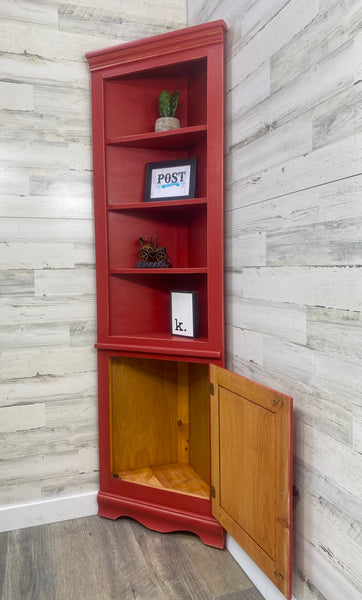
251 470
160 424
247 447
177 477
199 420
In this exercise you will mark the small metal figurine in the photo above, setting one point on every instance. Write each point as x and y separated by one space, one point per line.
151 255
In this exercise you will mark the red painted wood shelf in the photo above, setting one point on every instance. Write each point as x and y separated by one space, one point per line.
173 205
155 271
166 376
156 452
166 140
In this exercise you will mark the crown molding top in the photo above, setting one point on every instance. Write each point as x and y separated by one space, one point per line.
158 45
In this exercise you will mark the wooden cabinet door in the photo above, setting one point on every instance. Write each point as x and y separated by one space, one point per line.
251 470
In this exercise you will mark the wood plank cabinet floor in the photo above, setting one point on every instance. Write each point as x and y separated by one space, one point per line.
97 559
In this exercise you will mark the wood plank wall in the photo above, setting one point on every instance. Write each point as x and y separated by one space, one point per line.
294 253
48 419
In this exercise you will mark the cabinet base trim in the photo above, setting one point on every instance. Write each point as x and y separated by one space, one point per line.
162 519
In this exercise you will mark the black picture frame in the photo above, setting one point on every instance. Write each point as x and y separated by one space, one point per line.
165 178
184 313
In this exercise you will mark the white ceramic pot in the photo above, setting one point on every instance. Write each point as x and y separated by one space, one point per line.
166 123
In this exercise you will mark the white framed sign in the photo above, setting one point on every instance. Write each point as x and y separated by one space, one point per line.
170 180
184 314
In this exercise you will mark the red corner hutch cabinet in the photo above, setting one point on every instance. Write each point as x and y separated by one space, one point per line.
184 444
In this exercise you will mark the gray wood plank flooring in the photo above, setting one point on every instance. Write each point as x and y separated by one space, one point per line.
98 559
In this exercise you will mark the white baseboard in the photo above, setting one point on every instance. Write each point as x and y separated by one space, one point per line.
259 579
48 511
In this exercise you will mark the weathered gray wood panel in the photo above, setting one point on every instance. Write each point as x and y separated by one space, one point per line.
294 144
27 310
293 254
48 386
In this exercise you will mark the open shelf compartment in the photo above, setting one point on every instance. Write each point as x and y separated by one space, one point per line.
160 424
182 231
126 167
131 101
140 303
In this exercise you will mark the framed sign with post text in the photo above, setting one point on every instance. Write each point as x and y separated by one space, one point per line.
170 180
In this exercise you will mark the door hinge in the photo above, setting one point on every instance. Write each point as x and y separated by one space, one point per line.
295 496
212 389
212 491
278 574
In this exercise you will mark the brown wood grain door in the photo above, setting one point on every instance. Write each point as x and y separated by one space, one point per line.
251 470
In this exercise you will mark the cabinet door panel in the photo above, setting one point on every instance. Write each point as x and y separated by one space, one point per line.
251 429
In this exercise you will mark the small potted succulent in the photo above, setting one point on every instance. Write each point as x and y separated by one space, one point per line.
167 104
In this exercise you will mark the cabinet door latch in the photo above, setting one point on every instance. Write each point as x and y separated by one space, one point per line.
212 491
212 389
277 401
278 574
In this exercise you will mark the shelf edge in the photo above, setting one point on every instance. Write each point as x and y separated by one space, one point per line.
153 135
160 204
156 271
158 350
